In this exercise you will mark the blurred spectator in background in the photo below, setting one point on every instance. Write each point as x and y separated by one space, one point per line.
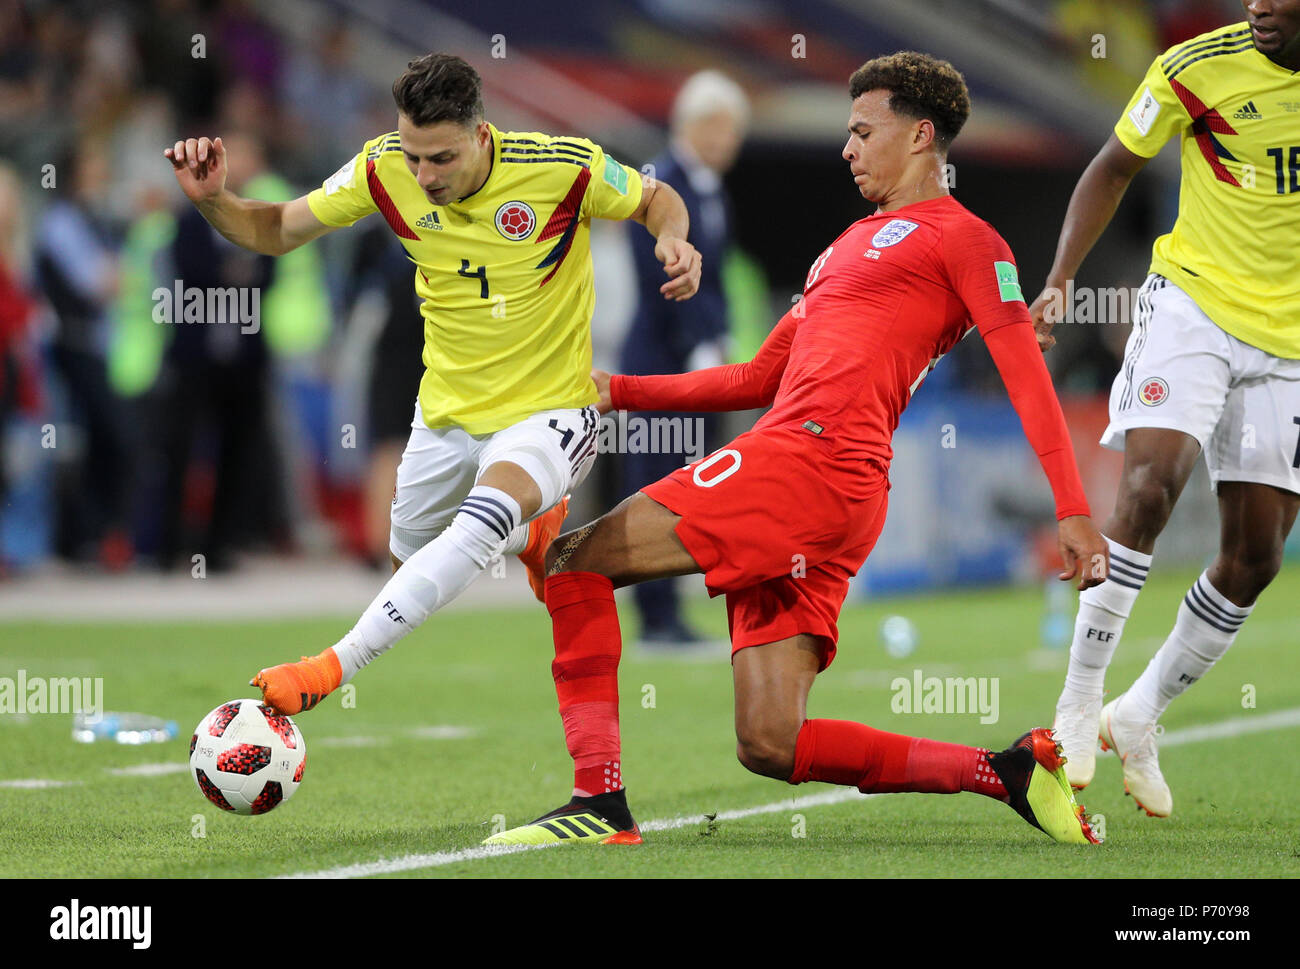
18 369
384 316
1114 41
166 43
324 100
1182 20
709 118
77 267
21 94
216 375
249 48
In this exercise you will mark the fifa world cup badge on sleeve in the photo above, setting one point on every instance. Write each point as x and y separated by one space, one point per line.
1144 112
616 175
1008 282
340 178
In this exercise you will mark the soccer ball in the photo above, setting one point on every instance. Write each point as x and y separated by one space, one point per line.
247 758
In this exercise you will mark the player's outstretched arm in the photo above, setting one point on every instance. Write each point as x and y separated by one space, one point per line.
736 386
664 215
270 228
1083 549
1092 206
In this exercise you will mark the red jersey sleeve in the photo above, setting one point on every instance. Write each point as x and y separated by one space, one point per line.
983 273
737 386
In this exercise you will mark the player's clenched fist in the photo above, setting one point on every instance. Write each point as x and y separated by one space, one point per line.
1045 313
605 404
200 166
682 262
1084 551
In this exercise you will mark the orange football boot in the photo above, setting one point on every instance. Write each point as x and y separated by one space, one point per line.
293 687
541 532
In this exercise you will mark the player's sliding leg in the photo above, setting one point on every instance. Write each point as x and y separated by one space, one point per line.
774 738
1157 464
491 520
633 543
1255 520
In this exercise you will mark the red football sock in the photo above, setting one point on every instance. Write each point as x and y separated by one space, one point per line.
588 645
876 762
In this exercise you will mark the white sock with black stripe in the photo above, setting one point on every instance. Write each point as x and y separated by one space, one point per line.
1206 626
1103 610
432 577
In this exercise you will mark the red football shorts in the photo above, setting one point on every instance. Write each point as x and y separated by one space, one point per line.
764 520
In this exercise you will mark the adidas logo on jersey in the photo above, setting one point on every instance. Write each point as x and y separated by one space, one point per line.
1248 112
430 222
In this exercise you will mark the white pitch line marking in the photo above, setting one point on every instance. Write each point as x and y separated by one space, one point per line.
443 732
37 783
149 770
789 804
1234 727
438 859
431 732
351 741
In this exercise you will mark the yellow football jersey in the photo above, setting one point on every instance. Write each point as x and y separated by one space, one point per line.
505 275
1235 248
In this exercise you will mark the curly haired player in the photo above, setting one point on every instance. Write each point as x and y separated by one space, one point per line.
809 483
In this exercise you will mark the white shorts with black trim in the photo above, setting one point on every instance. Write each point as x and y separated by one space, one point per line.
439 467
1184 372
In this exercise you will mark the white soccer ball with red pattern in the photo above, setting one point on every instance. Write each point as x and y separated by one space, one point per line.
247 758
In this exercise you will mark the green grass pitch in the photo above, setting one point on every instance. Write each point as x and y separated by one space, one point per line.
381 785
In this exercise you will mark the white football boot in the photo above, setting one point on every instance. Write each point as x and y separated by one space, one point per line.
1135 743
1076 730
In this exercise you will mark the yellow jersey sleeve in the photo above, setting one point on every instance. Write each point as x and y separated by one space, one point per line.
345 196
1233 247
1153 116
614 191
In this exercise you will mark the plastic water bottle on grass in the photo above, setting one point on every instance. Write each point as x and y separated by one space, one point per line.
1058 627
123 728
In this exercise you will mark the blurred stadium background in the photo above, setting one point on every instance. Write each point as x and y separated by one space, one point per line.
129 446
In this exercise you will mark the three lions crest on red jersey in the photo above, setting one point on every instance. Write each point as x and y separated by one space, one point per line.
892 234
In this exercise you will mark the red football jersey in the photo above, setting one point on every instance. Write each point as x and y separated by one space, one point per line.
881 305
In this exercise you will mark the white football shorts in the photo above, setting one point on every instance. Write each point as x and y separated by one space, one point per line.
1183 371
439 466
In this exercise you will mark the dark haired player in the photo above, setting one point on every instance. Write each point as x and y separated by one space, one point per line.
497 224
1212 366
881 305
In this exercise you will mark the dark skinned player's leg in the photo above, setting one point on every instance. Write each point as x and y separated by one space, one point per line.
632 543
775 738
1255 520
772 684
1157 463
